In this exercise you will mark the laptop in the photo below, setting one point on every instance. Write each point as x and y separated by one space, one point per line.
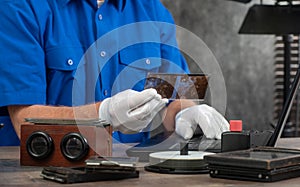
285 111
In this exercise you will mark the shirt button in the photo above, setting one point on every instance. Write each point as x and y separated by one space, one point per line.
100 17
148 61
70 62
102 53
1 125
105 92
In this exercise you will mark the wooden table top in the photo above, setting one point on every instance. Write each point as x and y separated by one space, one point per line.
12 174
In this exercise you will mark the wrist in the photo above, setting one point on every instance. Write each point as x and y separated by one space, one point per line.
104 110
172 110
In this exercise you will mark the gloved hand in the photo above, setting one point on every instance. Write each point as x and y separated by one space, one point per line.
211 122
131 111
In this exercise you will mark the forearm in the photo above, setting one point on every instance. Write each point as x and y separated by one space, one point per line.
18 113
172 110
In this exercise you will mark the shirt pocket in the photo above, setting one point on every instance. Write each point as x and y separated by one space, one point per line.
144 57
136 62
62 63
64 58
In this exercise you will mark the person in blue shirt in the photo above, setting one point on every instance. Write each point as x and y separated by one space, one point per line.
57 56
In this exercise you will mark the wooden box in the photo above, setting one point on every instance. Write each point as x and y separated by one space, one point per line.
98 139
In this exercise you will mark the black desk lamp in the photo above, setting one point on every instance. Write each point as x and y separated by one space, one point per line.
272 19
282 18
278 20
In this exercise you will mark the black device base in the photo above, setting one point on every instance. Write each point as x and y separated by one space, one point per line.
264 164
232 141
83 174
164 170
259 175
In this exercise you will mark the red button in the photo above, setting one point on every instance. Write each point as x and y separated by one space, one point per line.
236 125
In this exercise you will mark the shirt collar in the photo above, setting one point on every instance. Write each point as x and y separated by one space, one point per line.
119 4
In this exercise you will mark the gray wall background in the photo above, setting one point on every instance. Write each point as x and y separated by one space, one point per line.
247 61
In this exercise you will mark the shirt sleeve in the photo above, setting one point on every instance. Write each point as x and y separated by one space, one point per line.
22 67
172 58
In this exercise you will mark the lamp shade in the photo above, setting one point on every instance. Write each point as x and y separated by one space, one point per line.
272 19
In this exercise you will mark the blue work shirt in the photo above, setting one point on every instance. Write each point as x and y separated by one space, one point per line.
43 43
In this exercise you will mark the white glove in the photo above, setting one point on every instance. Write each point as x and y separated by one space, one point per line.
211 122
131 111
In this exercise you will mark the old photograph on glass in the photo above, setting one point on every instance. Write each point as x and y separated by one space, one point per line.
178 86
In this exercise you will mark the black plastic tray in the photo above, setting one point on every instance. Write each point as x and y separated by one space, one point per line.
264 164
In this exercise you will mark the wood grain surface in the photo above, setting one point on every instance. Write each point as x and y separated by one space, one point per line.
12 174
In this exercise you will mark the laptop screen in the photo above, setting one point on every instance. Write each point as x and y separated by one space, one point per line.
285 111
